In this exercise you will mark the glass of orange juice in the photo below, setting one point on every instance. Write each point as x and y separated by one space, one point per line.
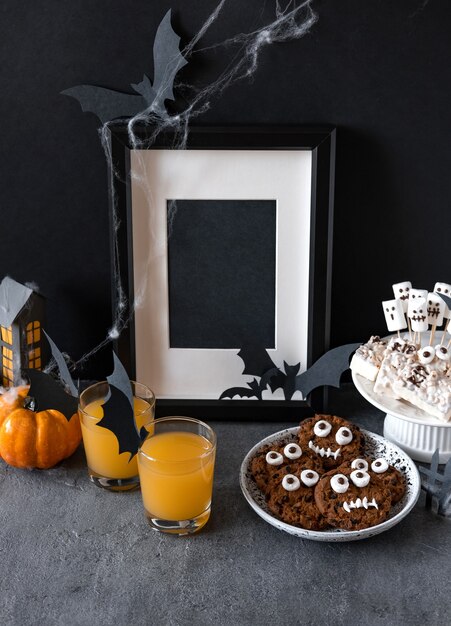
176 464
106 467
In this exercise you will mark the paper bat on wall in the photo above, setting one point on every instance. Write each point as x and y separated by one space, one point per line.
327 370
48 393
119 416
109 104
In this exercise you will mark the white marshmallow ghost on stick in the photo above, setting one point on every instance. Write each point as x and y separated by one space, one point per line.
417 312
446 290
394 315
436 309
418 293
401 292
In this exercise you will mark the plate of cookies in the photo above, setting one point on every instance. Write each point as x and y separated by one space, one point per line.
329 480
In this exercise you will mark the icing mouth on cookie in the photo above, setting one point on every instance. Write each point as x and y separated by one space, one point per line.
359 503
323 452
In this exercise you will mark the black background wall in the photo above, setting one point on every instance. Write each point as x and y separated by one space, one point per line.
379 70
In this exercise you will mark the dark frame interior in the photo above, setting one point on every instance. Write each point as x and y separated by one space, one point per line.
321 141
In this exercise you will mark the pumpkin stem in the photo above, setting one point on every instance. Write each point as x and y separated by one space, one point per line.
29 403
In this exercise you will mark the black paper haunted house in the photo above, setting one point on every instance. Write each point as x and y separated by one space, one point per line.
21 318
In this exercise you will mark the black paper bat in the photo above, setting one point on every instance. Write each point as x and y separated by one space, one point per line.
327 370
47 393
253 390
119 416
109 104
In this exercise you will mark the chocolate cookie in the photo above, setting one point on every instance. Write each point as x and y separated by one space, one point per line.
272 463
380 470
332 439
349 499
292 500
391 478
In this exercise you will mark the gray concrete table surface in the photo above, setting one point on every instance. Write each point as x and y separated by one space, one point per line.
74 554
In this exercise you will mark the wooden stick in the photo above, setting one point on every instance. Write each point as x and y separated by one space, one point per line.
433 329
445 329
410 329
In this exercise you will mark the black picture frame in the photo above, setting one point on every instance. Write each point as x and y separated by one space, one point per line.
321 141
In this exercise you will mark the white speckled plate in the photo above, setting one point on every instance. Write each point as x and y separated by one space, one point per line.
376 446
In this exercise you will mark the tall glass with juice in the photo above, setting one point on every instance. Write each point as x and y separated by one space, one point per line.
106 467
176 466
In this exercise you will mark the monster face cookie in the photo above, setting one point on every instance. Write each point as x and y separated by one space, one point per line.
293 500
331 439
350 499
271 464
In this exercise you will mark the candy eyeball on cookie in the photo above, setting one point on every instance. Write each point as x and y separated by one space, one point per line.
379 466
309 477
344 436
339 483
290 482
274 458
322 428
360 464
360 478
292 451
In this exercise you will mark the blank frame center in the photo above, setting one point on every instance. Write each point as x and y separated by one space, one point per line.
222 273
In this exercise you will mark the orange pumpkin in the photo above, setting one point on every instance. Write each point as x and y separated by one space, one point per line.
36 440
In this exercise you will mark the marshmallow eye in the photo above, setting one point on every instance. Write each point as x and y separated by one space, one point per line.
360 464
291 482
292 451
343 436
426 355
322 428
339 483
274 458
309 477
360 478
442 353
379 466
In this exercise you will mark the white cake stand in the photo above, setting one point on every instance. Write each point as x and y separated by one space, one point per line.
413 430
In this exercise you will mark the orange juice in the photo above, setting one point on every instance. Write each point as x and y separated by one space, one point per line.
176 475
101 445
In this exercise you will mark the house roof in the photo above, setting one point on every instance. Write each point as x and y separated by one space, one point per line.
13 298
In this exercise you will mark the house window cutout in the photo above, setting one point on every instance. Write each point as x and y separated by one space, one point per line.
34 359
33 333
7 366
7 335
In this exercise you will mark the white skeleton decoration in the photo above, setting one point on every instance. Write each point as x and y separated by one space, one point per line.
394 315
401 292
417 312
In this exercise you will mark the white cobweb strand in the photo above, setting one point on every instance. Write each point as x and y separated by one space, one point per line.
292 22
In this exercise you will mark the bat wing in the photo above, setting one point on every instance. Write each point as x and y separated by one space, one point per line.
256 360
107 104
446 299
119 419
119 416
167 59
327 370
47 393
62 366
